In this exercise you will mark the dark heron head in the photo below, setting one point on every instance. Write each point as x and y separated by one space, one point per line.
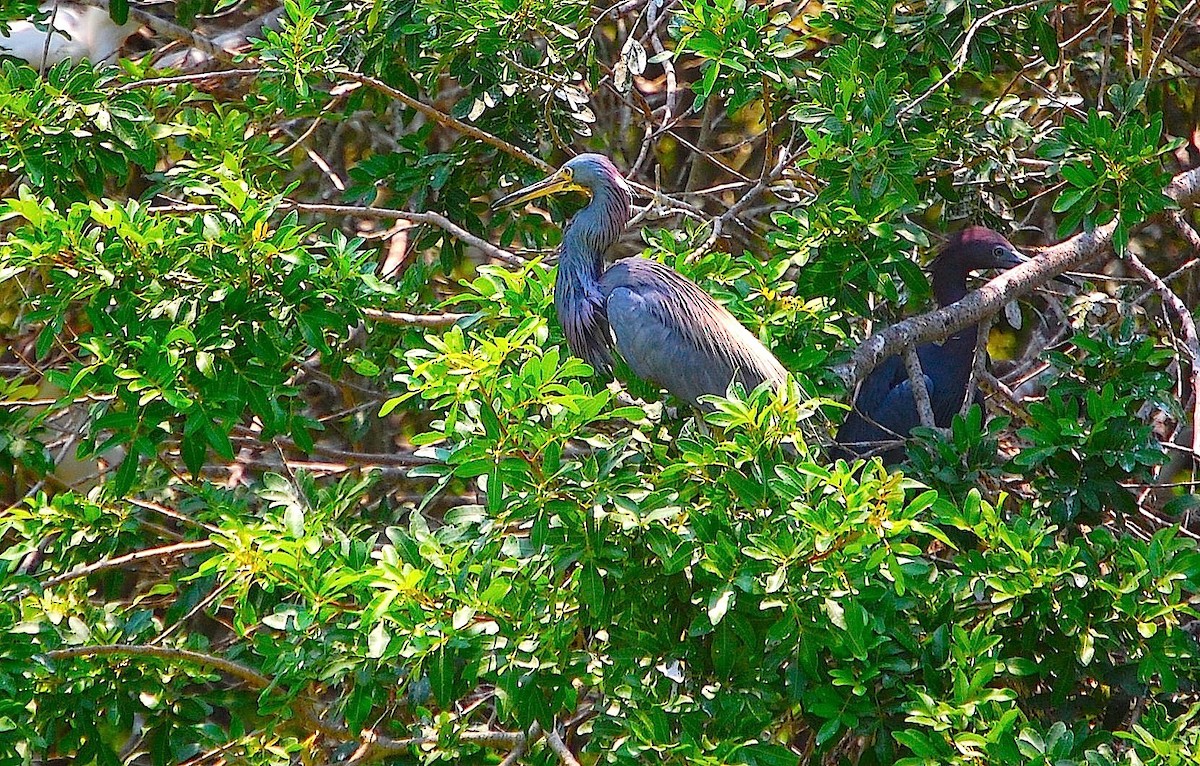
977 247
972 249
586 173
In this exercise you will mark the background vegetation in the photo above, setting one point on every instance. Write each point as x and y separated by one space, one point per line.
297 468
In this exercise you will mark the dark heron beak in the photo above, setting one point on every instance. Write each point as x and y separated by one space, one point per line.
559 181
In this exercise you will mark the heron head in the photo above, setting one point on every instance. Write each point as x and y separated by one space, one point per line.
587 173
978 247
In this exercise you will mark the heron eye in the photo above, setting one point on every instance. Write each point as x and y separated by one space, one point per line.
568 173
999 251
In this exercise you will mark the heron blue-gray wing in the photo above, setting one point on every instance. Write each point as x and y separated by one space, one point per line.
672 333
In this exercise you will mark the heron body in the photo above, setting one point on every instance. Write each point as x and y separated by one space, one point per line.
885 409
666 329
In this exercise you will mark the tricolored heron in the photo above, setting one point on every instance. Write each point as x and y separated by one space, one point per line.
668 330
885 410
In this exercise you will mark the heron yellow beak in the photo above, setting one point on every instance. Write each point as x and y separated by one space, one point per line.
560 181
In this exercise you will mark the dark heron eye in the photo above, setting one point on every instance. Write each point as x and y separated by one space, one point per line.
1000 251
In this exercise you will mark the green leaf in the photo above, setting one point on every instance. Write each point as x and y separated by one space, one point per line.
719 603
118 10
1047 38
440 667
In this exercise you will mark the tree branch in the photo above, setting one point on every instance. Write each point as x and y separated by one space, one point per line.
978 364
433 219
560 748
912 364
170 30
372 745
85 570
964 51
991 297
246 675
444 119
1191 341
404 319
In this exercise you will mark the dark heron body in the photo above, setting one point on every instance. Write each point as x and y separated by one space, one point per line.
668 330
885 409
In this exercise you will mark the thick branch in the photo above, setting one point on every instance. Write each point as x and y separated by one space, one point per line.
246 675
565 756
170 30
989 299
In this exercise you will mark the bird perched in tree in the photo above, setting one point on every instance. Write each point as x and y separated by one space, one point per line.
885 410
79 32
666 329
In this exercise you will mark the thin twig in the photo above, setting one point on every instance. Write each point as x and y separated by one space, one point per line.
304 707
961 59
405 319
1182 19
180 79
200 606
334 100
50 30
1040 60
444 119
170 513
652 11
85 570
978 364
46 402
763 183
434 219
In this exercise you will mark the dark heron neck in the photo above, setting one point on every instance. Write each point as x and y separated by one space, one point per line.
957 352
949 279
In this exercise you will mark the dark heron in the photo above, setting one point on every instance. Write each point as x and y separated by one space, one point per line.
885 409
668 330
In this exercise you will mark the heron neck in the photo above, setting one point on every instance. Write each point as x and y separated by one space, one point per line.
949 283
950 286
593 230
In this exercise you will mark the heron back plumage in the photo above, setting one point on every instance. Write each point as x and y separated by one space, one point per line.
674 334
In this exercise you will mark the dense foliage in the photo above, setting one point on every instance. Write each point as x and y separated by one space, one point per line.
297 467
